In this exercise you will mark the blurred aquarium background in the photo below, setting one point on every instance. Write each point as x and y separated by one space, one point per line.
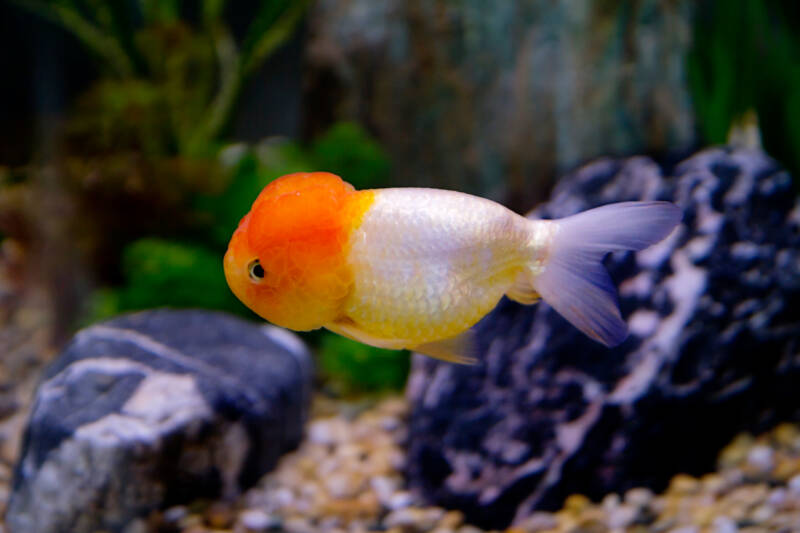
134 134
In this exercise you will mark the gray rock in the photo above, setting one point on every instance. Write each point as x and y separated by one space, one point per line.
714 349
155 409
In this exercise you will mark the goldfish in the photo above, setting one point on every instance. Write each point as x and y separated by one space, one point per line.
417 268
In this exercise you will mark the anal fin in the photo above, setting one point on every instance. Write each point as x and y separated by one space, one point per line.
523 291
461 349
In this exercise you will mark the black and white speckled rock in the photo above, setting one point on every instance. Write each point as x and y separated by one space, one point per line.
155 408
714 315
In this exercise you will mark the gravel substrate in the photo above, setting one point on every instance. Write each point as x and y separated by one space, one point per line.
346 478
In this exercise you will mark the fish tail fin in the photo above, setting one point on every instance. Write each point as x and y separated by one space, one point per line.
572 278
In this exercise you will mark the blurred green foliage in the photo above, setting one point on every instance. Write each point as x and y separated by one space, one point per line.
355 368
188 273
746 55
347 149
157 271
194 72
145 163
164 273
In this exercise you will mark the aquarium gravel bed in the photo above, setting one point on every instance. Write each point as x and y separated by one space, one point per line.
346 476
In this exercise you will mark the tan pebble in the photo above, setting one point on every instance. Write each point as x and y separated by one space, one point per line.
349 509
576 503
423 519
786 469
451 520
351 451
379 463
639 497
369 502
256 521
390 423
468 528
622 516
328 431
5 473
778 497
724 524
786 435
761 514
749 495
384 487
329 524
761 458
611 501
736 452
663 523
297 525
589 526
539 521
684 484
307 466
281 497
394 406
344 484
219 515
714 483
704 515
794 485
190 521
400 500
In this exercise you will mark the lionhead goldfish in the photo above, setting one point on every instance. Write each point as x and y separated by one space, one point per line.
417 268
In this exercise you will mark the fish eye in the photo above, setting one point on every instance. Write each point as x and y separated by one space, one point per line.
256 270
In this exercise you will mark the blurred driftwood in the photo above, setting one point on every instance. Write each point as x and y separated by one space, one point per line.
500 98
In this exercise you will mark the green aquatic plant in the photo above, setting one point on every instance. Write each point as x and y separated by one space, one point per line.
745 58
187 271
195 70
348 150
249 170
160 273
145 161
345 149
353 368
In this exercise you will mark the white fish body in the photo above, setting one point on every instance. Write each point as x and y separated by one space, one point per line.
431 263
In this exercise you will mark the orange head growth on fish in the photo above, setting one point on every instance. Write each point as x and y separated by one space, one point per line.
287 260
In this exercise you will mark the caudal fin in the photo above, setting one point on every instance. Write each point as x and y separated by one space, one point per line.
575 282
